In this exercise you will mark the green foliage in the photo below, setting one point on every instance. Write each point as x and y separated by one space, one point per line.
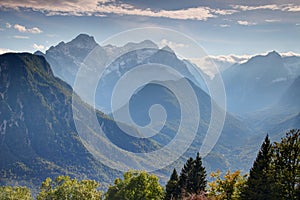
136 185
197 183
258 185
192 180
185 174
172 189
276 171
63 187
15 193
228 188
287 166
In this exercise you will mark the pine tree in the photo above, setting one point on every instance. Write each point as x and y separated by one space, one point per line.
258 185
197 182
172 188
184 177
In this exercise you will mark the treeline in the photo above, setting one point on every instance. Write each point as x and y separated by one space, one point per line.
275 174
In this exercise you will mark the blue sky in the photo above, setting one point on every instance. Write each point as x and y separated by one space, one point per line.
221 27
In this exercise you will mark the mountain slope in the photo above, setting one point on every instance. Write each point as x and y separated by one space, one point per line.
38 137
256 84
147 53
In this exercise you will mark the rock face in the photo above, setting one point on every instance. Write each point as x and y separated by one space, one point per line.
66 58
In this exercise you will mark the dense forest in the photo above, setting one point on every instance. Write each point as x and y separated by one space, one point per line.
275 174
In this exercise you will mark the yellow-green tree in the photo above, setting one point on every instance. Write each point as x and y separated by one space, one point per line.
63 187
136 185
228 188
15 193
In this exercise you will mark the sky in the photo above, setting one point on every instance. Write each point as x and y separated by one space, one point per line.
221 27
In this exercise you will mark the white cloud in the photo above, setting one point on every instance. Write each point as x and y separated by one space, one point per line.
8 25
105 7
20 37
173 45
282 7
214 64
289 53
224 25
209 63
246 8
3 50
20 28
272 20
23 29
224 12
292 8
245 23
38 47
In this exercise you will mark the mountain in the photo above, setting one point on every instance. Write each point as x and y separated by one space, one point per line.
66 58
233 136
38 134
291 97
133 55
282 115
256 84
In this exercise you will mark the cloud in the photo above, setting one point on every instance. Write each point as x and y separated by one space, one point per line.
173 45
224 12
245 23
292 8
282 7
209 63
8 25
272 20
3 50
289 53
20 37
106 7
224 25
23 29
38 47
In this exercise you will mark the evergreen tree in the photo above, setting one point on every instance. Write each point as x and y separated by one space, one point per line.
185 176
197 182
258 185
172 188
192 179
287 166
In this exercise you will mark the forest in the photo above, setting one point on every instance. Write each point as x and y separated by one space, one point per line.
275 174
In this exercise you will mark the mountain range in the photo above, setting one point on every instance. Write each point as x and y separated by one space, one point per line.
38 132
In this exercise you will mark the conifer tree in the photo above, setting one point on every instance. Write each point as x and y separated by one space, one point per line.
185 175
197 182
258 185
172 188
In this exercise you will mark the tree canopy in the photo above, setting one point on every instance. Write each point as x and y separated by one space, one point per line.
136 185
63 187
